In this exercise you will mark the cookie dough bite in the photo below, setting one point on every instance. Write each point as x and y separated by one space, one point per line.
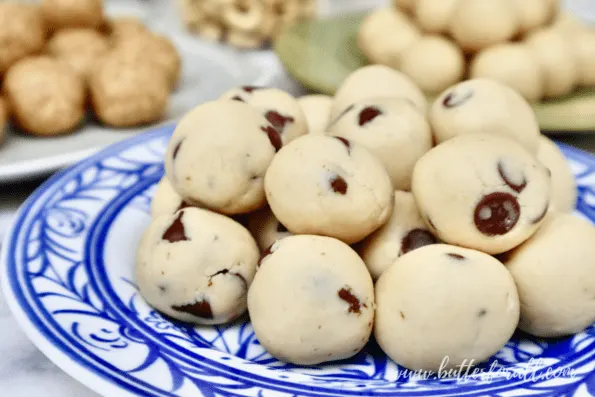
375 81
481 191
392 129
532 14
127 92
433 16
434 63
281 109
384 35
166 201
78 47
196 266
60 14
46 96
555 56
330 186
487 106
265 228
404 232
312 301
555 275
563 193
444 301
218 156
478 24
583 46
22 32
317 111
512 64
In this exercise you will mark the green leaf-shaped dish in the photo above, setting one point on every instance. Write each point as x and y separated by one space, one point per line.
320 54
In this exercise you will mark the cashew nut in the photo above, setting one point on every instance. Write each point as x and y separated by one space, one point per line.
244 15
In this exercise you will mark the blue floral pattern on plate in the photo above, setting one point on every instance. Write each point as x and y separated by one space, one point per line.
68 276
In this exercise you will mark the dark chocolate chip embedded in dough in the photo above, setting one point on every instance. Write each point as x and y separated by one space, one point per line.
453 99
339 185
368 114
458 257
497 213
184 204
402 315
417 238
274 137
354 303
250 88
482 312
345 142
278 120
176 150
237 98
506 178
176 232
200 309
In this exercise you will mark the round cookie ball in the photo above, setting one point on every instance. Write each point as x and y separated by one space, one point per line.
434 63
478 24
512 64
564 192
376 81
555 56
317 110
265 228
127 92
583 46
22 32
312 301
166 201
487 106
404 232
281 109
384 35
46 96
481 191
196 266
392 129
444 301
60 14
78 47
532 14
555 275
3 118
329 186
218 156
433 16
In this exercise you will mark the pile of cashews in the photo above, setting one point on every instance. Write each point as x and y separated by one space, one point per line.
243 23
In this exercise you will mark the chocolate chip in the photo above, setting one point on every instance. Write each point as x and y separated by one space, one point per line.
368 114
504 256
250 88
274 137
506 178
542 215
497 213
458 257
482 312
278 120
281 228
453 100
200 309
417 238
176 150
237 98
402 315
175 232
347 296
339 185
345 142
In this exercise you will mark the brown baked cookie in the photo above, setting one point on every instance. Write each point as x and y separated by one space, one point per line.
60 14
123 27
46 96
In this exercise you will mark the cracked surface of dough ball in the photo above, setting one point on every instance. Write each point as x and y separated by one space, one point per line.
127 92
46 96
60 14
196 266
434 63
564 193
312 301
317 110
78 47
433 16
22 32
265 228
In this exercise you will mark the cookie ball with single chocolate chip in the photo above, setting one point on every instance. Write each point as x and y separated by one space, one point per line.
60 14
265 228
312 301
196 266
80 48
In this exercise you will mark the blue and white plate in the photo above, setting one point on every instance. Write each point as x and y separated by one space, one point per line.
68 277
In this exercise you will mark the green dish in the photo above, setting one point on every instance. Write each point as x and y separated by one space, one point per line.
320 54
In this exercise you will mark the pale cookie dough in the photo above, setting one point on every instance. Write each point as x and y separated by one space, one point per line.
312 301
481 191
265 228
376 81
384 35
433 16
166 201
60 14
317 110
434 63
218 156
555 275
22 32
327 185
564 193
478 24
80 48
555 55
196 266
484 105
281 109
407 6
568 21
442 306
532 14
46 96
404 232
126 91
512 64
583 46
392 129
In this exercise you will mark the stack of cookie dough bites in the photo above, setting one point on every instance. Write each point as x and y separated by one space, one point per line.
531 45
60 55
371 212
